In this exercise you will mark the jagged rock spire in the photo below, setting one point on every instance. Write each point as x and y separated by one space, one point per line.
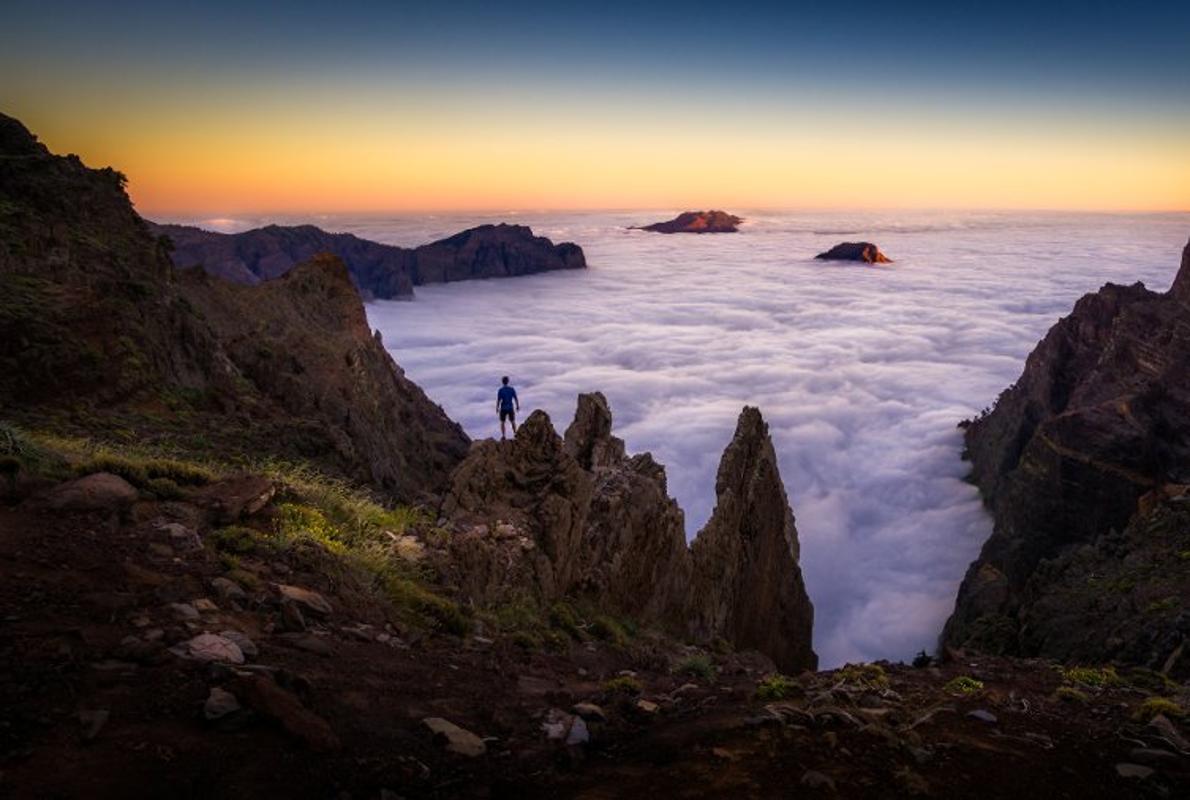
747 584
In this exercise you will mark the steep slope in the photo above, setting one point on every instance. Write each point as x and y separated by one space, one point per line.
99 336
552 518
378 270
1099 420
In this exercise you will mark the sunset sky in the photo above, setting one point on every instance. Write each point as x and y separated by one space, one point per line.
231 108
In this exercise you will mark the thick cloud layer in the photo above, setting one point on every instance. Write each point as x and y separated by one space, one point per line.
862 372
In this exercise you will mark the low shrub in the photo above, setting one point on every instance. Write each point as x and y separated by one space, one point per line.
697 666
776 687
870 676
1071 695
1158 706
963 685
1093 677
623 684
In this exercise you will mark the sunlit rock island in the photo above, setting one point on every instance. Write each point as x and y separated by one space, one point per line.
697 222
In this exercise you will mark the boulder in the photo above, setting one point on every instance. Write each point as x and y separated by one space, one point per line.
866 252
101 491
210 647
306 598
262 694
455 739
697 222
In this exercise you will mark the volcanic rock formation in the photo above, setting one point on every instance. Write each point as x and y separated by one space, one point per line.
855 251
697 222
378 270
577 518
1080 462
94 318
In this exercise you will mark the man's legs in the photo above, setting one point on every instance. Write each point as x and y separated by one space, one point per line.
512 419
502 415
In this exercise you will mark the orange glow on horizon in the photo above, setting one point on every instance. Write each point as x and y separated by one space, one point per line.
288 164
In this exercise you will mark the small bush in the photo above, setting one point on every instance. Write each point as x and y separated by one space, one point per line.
1069 694
235 539
1158 706
699 666
610 630
922 660
963 685
441 613
1149 680
1166 604
776 687
527 641
563 616
625 684
164 489
1093 677
870 676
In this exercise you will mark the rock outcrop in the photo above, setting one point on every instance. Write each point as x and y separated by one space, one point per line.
554 518
378 270
1074 461
98 327
697 222
747 584
855 251
304 345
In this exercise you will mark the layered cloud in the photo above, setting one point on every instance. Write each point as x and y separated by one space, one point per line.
861 372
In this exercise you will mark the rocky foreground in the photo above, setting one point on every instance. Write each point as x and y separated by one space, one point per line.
210 646
377 270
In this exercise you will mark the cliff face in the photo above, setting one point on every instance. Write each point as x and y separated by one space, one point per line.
303 342
551 517
1075 458
98 332
378 270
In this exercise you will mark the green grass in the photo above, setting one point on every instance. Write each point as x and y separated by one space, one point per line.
963 685
697 666
1158 706
870 676
1092 677
1069 694
776 687
623 684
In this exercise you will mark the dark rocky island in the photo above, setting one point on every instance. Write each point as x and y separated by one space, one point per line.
378 270
855 251
1085 464
697 222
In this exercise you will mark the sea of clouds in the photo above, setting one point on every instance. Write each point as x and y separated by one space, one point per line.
861 372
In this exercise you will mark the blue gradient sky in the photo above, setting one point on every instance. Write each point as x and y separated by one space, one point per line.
371 106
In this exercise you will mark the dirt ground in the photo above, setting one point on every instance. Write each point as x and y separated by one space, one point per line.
93 703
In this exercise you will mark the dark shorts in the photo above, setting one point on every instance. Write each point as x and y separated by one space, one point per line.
507 413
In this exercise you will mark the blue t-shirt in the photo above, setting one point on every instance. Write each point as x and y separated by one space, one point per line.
506 395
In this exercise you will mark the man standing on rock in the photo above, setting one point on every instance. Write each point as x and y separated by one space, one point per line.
505 400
